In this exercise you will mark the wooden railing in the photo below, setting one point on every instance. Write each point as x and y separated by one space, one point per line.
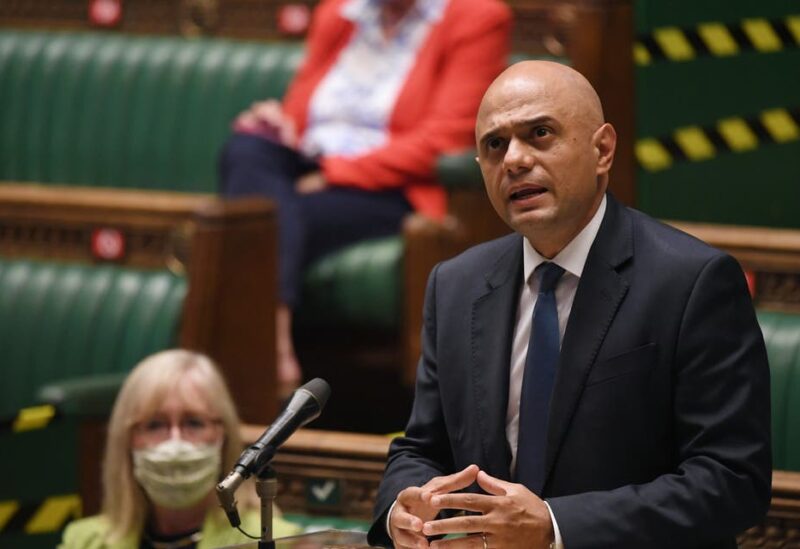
352 464
770 258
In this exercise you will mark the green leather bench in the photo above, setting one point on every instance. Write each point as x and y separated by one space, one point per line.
782 336
151 112
48 308
111 110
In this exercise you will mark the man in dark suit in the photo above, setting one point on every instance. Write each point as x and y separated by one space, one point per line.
597 379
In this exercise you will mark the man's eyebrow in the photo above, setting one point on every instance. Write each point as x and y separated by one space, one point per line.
535 121
486 137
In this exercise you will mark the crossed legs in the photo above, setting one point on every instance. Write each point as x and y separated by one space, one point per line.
310 225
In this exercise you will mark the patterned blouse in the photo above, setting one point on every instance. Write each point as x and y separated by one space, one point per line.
350 109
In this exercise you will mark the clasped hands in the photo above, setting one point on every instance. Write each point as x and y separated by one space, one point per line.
510 514
266 119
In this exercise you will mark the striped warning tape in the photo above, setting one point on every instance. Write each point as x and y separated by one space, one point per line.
28 419
39 517
734 134
717 39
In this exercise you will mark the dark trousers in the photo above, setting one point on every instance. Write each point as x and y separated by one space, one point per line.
310 225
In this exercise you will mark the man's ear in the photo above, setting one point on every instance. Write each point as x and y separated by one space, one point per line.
605 144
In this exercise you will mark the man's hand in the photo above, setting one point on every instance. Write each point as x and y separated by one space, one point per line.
511 516
413 507
266 118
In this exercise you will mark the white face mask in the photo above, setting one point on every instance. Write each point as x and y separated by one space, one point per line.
177 474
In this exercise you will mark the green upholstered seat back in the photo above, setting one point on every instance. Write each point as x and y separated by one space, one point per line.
360 286
782 336
60 320
111 110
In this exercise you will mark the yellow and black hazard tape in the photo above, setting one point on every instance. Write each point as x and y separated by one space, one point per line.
735 134
39 517
28 419
717 39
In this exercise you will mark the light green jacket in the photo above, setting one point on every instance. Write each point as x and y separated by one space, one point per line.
91 532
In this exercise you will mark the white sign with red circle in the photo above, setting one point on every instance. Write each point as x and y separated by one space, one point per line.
105 13
293 19
108 244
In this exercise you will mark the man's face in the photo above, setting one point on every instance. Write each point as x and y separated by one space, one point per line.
539 155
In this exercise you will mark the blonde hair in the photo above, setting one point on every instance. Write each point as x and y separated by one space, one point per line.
124 502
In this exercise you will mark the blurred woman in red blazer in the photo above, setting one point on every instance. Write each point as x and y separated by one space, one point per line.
386 87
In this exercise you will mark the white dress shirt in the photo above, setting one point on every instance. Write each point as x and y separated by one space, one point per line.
572 259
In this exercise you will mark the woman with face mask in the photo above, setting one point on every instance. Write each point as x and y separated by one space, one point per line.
173 434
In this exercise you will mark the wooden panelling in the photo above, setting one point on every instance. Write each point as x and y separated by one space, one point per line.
770 257
350 463
356 461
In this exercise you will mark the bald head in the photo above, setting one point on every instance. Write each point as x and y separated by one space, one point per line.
562 87
545 151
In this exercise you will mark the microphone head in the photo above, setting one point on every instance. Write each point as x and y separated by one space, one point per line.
319 389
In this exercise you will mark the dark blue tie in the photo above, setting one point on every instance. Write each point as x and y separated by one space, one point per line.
537 381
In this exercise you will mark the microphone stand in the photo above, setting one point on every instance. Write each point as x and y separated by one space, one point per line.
305 405
267 489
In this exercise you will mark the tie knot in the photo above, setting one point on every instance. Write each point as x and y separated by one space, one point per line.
549 273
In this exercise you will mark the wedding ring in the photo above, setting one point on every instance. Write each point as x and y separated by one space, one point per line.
485 544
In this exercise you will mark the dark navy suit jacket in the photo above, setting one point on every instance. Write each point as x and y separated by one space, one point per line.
660 417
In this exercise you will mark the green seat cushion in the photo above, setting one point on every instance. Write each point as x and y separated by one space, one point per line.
124 111
782 336
459 171
360 286
85 396
61 320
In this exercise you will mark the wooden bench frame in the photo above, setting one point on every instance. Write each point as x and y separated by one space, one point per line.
356 461
771 257
225 248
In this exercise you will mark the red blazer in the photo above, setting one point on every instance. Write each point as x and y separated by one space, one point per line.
435 110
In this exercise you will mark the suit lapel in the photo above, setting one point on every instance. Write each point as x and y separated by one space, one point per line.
599 295
492 328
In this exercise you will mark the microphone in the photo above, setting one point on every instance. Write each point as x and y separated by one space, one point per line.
305 405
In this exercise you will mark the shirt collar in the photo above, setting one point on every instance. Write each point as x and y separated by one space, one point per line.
573 257
366 12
